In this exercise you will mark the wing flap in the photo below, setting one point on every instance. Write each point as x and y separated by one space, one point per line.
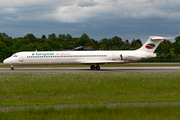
100 62
93 62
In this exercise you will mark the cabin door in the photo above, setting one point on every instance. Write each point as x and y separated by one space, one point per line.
20 58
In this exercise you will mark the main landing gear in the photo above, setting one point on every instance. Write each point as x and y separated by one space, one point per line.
12 67
95 67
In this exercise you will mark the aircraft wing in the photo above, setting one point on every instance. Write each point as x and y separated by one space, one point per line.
95 62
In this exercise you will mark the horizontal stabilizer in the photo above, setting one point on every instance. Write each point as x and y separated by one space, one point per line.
160 38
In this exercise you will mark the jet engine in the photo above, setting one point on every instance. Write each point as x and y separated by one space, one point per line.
131 58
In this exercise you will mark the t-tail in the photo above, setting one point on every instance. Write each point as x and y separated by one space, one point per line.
147 50
151 45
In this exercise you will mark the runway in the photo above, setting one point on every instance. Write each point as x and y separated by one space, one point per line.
87 70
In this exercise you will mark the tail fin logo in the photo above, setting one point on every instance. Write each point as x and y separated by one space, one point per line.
150 46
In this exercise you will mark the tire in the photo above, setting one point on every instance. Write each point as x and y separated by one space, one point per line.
97 67
92 67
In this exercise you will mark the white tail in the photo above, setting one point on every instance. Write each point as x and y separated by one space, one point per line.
151 45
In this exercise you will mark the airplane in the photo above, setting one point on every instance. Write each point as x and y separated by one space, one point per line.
92 58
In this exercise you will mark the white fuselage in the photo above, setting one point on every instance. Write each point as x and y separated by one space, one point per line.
85 57
76 57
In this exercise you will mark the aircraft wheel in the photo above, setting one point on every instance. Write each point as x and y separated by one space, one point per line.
97 67
92 67
12 68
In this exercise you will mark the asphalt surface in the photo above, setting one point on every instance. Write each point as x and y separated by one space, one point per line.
87 70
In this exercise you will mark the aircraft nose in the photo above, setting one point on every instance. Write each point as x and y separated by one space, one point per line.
7 61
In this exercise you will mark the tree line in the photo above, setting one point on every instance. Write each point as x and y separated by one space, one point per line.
53 42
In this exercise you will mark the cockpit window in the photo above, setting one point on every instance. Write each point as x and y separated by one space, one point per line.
14 55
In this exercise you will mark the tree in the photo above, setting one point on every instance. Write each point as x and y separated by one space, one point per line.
53 42
69 39
3 35
127 45
24 41
85 40
135 44
39 47
105 43
47 47
10 50
127 42
43 37
30 37
165 48
28 47
117 43
3 50
138 41
95 44
61 37
177 45
8 41
52 37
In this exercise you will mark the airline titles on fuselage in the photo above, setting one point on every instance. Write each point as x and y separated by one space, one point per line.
45 54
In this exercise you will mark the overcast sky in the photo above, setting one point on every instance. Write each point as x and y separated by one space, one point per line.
128 19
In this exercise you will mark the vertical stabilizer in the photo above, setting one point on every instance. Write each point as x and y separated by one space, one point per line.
151 45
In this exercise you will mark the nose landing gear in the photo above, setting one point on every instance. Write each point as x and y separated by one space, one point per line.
95 68
12 67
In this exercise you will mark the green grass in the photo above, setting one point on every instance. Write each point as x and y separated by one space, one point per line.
52 89
97 113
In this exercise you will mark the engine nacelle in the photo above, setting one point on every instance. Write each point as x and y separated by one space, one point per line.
132 58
